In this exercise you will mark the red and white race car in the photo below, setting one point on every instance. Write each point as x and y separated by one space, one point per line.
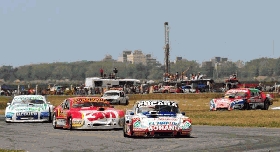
87 113
156 118
242 99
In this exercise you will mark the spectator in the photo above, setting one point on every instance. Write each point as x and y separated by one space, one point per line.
101 72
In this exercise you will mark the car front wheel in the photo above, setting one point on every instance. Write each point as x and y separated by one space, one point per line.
54 122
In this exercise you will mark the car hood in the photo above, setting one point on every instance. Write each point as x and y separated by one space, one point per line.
222 100
28 107
95 115
111 97
147 120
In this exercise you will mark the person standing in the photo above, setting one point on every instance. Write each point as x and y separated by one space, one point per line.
101 72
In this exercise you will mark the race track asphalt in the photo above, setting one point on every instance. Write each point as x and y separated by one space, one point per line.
41 137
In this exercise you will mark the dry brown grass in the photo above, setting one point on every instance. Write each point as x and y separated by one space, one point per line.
196 107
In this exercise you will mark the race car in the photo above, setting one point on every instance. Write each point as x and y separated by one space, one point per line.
156 118
29 108
242 99
87 113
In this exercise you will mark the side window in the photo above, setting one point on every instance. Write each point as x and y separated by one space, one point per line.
257 93
67 105
252 94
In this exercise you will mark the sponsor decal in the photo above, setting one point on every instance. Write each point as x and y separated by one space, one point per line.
186 125
136 124
77 122
26 113
28 108
162 123
163 127
156 102
92 116
81 100
28 98
166 118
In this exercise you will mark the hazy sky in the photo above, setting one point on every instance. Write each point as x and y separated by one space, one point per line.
40 31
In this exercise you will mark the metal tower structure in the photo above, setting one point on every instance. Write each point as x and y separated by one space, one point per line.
166 48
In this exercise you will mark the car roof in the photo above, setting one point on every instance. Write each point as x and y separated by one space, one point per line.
113 91
156 102
87 99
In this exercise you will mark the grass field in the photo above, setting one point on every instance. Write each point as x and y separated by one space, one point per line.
196 107
6 150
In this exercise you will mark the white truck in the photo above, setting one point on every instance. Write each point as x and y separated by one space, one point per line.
116 97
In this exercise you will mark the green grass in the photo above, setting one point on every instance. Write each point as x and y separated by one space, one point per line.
6 150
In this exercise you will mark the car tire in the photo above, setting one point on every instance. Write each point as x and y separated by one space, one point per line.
266 105
119 102
50 116
124 128
184 136
70 123
126 102
54 122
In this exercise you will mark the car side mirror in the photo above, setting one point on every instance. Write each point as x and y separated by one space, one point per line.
132 113
183 113
8 103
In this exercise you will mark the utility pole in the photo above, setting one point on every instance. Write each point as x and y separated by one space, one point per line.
166 48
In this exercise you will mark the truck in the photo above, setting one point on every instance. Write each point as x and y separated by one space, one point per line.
116 97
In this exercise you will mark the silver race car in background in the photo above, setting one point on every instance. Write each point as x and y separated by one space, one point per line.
29 108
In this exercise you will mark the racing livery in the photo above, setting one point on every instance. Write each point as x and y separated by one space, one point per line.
242 99
29 108
156 118
87 113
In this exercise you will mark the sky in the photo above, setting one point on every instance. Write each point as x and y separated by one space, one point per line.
36 31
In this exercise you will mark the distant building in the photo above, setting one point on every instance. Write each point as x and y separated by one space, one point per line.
178 59
224 60
137 57
207 64
123 57
108 58
216 59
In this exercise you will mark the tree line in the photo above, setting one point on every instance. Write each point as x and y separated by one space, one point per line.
78 71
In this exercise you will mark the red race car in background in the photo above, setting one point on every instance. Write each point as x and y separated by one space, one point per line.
87 113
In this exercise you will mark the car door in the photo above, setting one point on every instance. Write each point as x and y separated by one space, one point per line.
66 109
59 110
258 97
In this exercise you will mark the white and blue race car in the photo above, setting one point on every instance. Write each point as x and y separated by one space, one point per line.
29 108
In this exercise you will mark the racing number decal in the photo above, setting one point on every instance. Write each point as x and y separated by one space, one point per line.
60 112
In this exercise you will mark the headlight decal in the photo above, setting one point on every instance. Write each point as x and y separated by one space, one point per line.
9 114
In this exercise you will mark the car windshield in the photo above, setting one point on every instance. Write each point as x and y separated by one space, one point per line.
159 108
90 104
234 94
240 94
111 94
28 101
